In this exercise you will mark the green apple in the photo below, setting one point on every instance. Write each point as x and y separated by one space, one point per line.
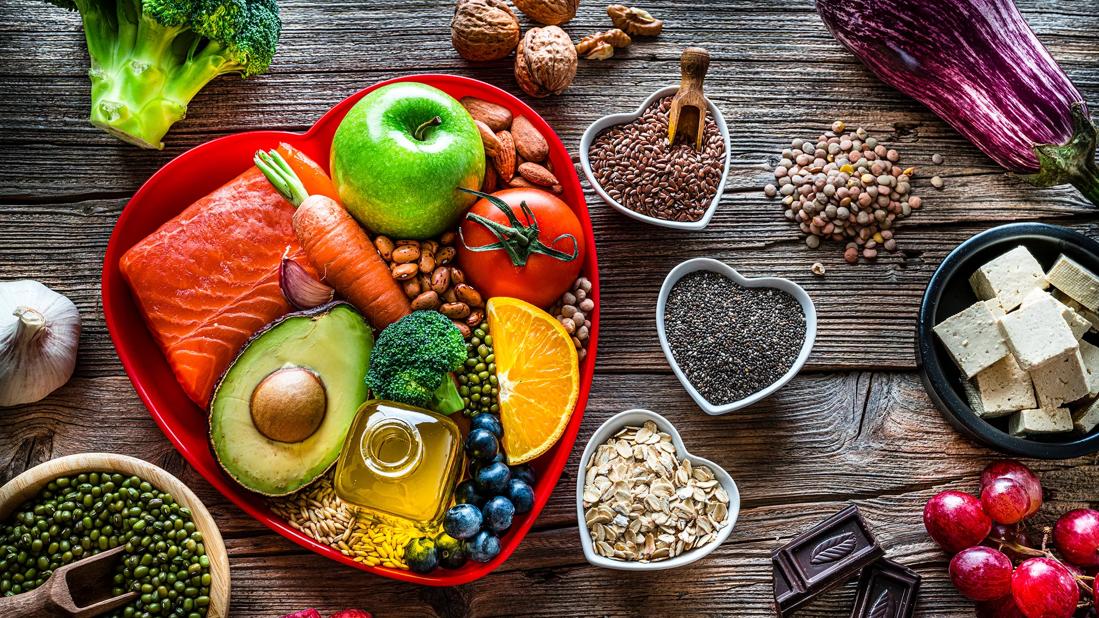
400 156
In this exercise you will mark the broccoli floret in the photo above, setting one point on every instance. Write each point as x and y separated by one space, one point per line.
149 58
412 359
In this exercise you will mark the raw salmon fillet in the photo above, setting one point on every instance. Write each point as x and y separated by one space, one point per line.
208 279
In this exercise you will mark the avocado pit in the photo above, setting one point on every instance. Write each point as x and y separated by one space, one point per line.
289 404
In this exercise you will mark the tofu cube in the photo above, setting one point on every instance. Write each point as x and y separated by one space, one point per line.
1062 381
1085 313
1004 388
1037 333
1086 419
1039 421
1009 277
1076 322
1079 283
1090 354
995 307
972 339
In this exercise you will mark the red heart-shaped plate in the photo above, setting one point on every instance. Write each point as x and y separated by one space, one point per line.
202 169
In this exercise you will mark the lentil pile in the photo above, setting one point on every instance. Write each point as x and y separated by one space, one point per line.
317 512
74 517
845 187
729 340
636 166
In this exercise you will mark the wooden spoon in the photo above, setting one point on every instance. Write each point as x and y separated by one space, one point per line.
687 116
75 589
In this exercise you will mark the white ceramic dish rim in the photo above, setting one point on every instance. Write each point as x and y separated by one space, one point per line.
638 417
722 268
606 122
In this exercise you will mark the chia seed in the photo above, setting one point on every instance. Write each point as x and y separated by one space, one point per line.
729 340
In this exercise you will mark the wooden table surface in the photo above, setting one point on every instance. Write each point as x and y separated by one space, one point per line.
855 426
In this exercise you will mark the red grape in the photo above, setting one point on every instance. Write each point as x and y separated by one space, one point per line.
1005 500
1019 473
981 573
999 608
1044 588
955 520
1077 536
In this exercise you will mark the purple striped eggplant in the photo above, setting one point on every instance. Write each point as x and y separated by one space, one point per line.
979 67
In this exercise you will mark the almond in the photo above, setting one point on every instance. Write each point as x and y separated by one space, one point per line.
519 181
505 156
488 138
537 174
530 143
497 117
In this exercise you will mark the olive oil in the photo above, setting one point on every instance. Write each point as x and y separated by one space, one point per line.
399 460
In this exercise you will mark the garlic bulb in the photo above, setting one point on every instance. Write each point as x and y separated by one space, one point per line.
39 332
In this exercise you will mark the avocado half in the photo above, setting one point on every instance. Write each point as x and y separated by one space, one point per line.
280 413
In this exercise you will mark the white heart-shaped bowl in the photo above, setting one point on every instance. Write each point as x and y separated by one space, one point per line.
606 122
777 283
638 418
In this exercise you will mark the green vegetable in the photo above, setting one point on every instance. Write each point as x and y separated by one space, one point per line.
412 359
149 58
165 561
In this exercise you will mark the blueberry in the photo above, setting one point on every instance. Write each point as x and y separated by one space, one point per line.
497 514
481 445
524 473
493 479
488 422
483 547
466 493
452 552
521 495
462 521
420 555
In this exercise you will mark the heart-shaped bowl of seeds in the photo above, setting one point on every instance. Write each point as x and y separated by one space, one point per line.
732 340
629 163
645 502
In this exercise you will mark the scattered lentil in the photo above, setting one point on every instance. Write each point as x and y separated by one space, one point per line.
937 159
636 166
937 182
729 340
844 187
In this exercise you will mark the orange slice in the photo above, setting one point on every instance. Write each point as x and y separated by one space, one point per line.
538 373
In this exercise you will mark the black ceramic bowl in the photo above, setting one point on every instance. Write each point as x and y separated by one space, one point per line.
949 292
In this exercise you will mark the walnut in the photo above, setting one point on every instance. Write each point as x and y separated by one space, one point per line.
545 61
601 45
636 22
549 12
484 29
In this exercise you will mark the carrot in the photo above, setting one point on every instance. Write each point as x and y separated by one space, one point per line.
336 245
311 174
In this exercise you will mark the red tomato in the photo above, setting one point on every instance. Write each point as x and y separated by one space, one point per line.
501 271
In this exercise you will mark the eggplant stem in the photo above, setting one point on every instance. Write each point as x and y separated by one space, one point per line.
1072 162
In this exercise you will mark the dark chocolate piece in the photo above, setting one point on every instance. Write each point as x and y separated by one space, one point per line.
821 558
886 590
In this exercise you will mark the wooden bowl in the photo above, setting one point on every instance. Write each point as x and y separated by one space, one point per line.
25 486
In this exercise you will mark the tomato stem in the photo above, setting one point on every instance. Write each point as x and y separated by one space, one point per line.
518 240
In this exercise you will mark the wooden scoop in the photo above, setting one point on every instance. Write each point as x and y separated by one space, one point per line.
687 117
75 589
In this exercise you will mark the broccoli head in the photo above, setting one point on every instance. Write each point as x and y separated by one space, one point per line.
412 359
149 58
